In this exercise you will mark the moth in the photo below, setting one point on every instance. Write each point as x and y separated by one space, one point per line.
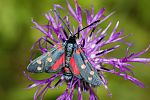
69 58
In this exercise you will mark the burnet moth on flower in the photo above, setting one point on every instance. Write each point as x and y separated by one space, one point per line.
69 58
79 58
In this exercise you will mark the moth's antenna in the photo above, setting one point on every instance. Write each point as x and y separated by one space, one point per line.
62 21
88 26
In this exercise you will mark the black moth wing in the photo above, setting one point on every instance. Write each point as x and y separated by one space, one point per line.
45 62
86 69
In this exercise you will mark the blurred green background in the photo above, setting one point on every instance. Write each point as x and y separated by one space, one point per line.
17 37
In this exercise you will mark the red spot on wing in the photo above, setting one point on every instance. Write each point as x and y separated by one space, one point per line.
78 51
74 66
59 46
66 69
58 63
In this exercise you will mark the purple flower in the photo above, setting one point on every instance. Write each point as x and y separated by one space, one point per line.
92 40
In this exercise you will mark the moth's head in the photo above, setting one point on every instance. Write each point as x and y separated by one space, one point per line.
72 39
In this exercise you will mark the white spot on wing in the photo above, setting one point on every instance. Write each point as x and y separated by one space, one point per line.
39 68
89 78
49 59
39 61
91 72
83 66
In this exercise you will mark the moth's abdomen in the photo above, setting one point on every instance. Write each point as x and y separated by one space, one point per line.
68 53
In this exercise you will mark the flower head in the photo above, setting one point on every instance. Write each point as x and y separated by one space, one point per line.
92 40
